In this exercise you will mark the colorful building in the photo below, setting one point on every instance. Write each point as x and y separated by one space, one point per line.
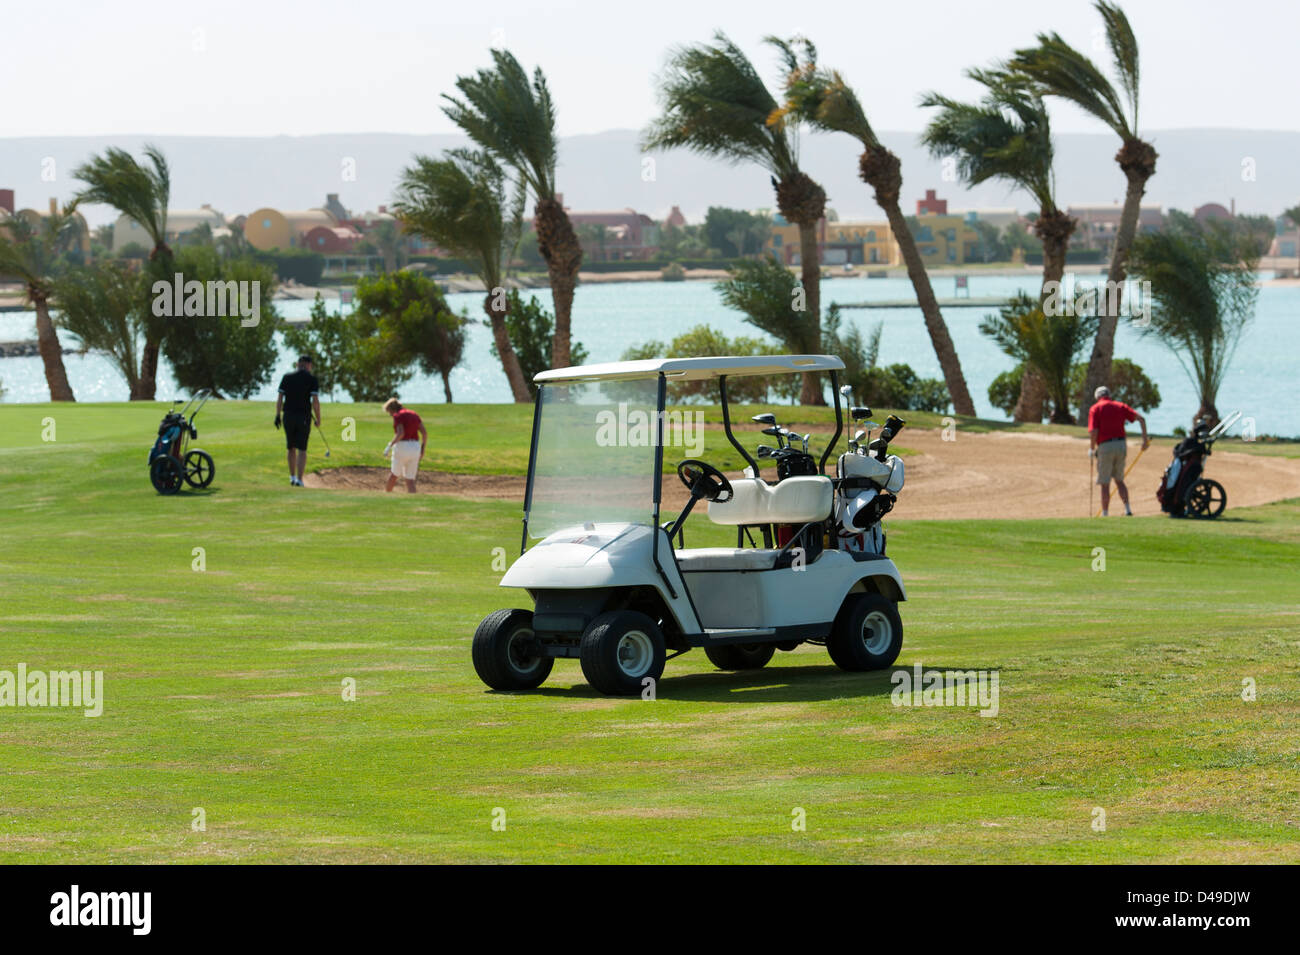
126 231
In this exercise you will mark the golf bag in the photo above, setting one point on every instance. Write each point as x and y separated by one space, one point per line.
867 490
1183 491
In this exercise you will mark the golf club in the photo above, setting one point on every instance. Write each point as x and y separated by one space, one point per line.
327 444
805 443
775 432
768 419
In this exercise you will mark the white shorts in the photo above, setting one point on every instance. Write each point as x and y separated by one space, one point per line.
406 459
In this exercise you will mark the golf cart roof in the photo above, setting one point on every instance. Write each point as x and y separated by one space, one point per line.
693 369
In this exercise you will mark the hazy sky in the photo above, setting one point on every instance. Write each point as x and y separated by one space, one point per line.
269 67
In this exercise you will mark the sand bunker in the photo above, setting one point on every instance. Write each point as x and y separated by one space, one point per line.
994 475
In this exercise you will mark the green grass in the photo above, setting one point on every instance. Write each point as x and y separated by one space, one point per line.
1119 689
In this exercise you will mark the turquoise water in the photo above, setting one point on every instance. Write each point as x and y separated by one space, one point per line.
1261 383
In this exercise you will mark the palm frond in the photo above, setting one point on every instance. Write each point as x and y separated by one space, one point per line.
1006 135
116 179
460 203
715 103
1060 70
512 117
1124 48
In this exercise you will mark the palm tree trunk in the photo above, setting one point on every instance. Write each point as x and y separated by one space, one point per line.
1054 228
506 351
1138 160
934 323
559 246
147 384
810 274
47 342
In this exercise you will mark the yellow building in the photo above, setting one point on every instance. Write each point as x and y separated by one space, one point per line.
267 229
856 243
945 239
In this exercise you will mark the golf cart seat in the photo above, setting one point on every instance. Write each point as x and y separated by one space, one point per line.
726 558
796 500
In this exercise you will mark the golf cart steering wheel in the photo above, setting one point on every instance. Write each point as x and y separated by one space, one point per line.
705 481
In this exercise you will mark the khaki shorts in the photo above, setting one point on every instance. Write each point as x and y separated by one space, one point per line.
406 459
1110 461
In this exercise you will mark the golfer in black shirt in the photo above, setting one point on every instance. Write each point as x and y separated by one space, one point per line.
299 398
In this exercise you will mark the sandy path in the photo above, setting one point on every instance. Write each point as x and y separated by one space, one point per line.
999 474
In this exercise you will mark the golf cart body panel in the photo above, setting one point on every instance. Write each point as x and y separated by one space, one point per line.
609 587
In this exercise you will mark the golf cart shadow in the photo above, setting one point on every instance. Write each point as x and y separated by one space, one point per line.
772 684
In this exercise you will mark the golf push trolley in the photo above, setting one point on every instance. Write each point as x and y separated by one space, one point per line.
1183 492
615 587
172 462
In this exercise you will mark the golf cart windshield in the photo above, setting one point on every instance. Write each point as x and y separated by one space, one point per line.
594 454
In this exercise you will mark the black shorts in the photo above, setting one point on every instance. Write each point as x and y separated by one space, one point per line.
296 432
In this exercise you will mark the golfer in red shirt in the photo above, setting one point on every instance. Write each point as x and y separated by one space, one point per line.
409 438
1106 420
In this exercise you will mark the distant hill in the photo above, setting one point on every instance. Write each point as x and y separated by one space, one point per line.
605 171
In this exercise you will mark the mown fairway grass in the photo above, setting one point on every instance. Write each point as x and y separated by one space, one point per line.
1119 689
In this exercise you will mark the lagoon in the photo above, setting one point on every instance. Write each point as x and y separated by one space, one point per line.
608 318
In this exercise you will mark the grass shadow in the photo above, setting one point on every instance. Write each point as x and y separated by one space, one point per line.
773 684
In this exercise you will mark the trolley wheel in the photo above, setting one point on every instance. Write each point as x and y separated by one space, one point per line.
199 469
1206 499
166 474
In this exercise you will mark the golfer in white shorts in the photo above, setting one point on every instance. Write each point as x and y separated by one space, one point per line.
409 439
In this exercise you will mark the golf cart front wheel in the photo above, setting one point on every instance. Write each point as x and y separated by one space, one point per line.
867 634
1206 499
165 474
621 651
740 656
505 652
199 469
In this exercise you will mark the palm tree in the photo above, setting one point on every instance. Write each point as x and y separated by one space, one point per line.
715 103
142 193
1008 136
30 252
100 304
1049 343
388 239
513 118
1060 70
1203 296
823 99
459 203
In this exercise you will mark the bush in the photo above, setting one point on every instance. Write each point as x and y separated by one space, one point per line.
702 341
401 318
1004 391
673 272
1128 383
220 352
899 387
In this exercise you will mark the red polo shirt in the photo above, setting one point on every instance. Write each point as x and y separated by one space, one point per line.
1108 417
410 422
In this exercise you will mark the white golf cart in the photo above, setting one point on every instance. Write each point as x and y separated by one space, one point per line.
610 587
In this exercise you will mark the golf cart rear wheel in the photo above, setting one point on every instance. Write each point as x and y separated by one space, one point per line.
620 651
504 652
165 474
199 469
740 656
867 634
1206 499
